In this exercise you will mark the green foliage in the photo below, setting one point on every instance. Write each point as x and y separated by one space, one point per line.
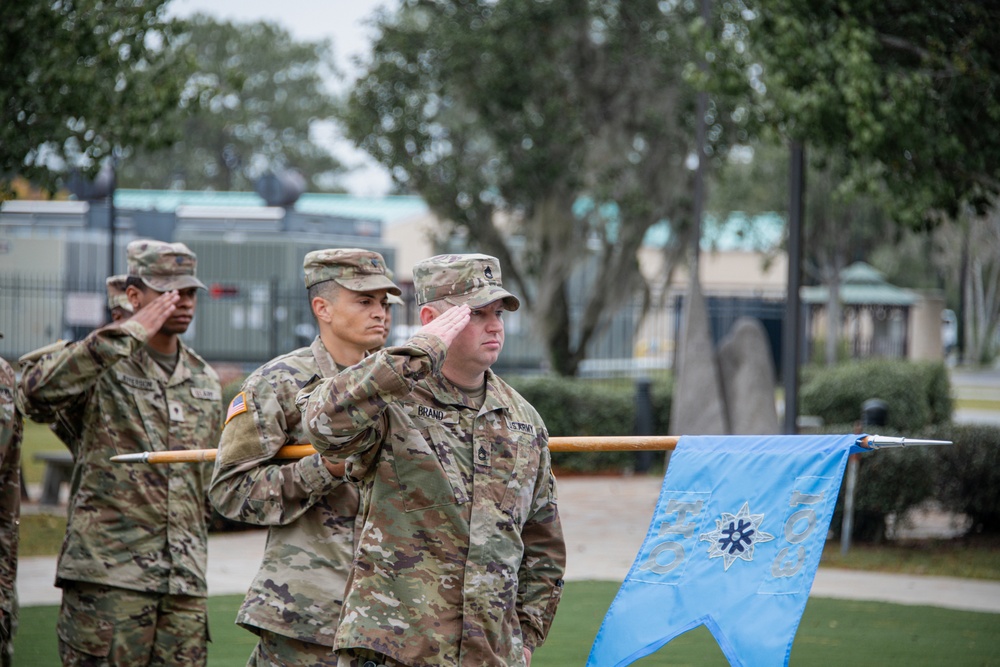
917 393
251 101
581 407
908 93
38 438
975 558
82 79
963 478
939 399
968 472
817 350
41 534
889 482
570 122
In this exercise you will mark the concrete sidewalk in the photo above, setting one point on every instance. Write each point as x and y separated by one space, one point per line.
605 520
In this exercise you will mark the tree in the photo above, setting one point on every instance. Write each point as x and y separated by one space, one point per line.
80 79
909 92
255 94
840 225
969 245
552 135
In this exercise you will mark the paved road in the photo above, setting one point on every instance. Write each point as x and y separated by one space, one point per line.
605 520
977 384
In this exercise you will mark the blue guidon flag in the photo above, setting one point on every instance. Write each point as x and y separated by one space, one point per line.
734 544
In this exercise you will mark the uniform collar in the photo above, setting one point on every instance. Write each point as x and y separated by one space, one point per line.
448 394
327 366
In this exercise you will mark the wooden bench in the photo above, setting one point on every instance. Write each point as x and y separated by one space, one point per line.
58 469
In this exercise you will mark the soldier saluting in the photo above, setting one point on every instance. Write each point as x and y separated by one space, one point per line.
460 553
294 601
132 565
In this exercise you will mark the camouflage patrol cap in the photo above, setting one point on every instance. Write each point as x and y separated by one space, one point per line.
116 293
163 266
393 299
356 269
471 279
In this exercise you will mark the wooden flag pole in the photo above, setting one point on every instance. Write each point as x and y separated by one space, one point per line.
596 443
561 444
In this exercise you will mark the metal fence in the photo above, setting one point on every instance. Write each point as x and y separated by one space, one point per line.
247 322
250 321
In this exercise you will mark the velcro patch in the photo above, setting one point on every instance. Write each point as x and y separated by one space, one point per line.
521 427
144 384
237 406
430 413
206 394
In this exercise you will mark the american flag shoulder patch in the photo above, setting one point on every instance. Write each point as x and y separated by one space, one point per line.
236 406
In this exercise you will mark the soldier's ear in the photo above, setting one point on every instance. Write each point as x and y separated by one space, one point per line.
427 314
321 309
134 296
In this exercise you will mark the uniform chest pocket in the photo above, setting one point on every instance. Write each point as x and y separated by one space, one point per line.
423 462
520 490
191 412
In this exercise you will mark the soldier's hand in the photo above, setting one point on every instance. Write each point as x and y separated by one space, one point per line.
448 324
154 314
338 469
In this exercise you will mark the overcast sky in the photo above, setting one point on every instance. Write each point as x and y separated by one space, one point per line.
340 21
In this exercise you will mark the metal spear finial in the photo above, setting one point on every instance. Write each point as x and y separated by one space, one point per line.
883 442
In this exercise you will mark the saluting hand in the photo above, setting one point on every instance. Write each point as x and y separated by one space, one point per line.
154 314
448 324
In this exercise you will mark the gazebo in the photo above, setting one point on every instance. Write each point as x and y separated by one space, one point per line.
875 316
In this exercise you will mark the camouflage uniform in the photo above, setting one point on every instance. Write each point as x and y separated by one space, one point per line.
299 588
137 531
11 431
460 554
64 427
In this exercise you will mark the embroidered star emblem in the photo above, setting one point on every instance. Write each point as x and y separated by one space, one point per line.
735 536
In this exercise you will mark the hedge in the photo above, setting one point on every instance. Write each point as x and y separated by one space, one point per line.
585 407
963 478
967 474
889 481
917 393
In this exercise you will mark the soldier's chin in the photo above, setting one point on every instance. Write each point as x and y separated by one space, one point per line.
175 328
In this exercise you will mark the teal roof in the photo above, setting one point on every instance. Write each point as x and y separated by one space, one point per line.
738 231
761 233
387 209
862 284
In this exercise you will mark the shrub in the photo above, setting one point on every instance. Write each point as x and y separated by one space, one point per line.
967 473
963 477
572 406
917 393
890 481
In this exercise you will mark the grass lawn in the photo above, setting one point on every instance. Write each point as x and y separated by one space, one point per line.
37 438
832 632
